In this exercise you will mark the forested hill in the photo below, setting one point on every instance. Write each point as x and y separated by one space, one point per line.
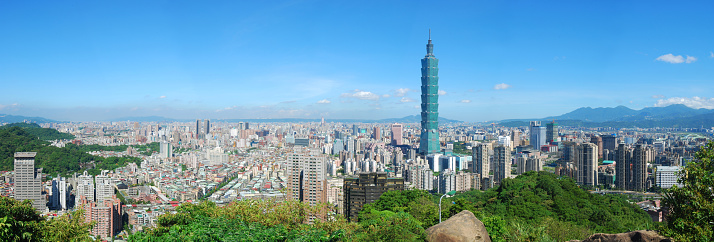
535 206
535 196
41 133
54 160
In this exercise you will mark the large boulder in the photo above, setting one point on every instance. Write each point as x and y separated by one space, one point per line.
463 226
634 236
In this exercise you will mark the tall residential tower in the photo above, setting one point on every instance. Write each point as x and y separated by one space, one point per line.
429 143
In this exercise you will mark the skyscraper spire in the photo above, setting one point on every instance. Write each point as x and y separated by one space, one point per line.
429 46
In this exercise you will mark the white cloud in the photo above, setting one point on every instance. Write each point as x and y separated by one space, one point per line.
658 96
359 94
690 59
8 106
402 92
442 92
162 97
501 86
693 102
676 59
711 54
465 101
324 101
407 100
386 95
417 106
530 69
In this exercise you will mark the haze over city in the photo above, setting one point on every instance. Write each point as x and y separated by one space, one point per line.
350 60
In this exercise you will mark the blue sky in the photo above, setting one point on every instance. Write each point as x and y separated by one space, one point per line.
98 60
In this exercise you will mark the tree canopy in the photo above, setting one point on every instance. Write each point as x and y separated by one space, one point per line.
691 206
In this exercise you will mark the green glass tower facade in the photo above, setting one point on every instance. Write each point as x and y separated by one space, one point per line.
429 142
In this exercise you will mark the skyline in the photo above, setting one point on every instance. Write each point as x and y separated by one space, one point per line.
309 59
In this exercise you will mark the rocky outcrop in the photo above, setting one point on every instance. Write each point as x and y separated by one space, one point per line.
634 236
463 226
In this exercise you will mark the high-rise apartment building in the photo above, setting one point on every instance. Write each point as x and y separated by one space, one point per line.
516 137
609 142
622 166
365 189
429 143
538 135
639 168
307 176
104 186
502 160
551 132
534 164
396 134
28 180
480 158
377 133
597 140
85 186
586 155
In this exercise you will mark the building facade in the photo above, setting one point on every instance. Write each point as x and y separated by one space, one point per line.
28 180
365 189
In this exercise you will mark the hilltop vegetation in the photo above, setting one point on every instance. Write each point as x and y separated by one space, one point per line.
54 160
39 132
536 206
20 222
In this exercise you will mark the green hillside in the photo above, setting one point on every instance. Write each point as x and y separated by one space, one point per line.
41 133
54 160
536 206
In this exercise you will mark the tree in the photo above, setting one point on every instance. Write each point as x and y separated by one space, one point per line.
389 226
691 216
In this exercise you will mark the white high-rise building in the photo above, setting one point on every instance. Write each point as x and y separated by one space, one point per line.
85 187
63 192
104 187
666 176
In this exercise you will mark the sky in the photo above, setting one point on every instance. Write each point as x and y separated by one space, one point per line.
100 60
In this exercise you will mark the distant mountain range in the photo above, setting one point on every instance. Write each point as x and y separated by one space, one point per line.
407 119
676 115
6 118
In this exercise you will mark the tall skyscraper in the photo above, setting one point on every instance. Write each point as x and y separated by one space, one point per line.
396 134
502 160
587 164
551 132
207 127
199 131
377 134
429 142
538 135
28 180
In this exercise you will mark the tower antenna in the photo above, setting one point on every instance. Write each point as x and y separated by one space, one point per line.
429 33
